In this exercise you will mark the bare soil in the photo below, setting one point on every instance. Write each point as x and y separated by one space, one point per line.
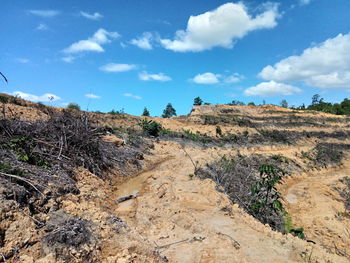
159 211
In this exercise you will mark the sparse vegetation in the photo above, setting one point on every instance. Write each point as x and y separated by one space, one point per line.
73 106
250 181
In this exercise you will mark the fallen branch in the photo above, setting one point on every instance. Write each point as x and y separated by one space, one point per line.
22 179
194 164
174 243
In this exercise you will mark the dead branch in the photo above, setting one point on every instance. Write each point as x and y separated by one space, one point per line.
24 180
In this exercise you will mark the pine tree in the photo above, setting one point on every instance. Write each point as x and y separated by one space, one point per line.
284 104
169 111
197 101
145 112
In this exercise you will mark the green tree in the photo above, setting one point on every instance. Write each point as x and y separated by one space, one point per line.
316 99
236 103
169 111
73 106
251 104
197 101
145 112
284 104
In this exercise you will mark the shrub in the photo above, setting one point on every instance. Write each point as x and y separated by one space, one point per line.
150 127
218 131
73 106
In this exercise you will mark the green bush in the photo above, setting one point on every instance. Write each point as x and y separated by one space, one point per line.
150 127
73 106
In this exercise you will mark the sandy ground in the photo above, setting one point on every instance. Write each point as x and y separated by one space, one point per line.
174 217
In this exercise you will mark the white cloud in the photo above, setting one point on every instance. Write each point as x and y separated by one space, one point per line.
94 16
43 98
44 13
234 78
220 27
325 66
68 59
92 96
114 67
271 88
42 27
22 60
304 2
94 43
206 78
132 96
143 42
156 77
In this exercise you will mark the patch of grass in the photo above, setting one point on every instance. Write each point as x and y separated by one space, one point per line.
188 134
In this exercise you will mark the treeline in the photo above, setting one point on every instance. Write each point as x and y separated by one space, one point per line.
318 104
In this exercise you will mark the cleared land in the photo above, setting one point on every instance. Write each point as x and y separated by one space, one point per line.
88 187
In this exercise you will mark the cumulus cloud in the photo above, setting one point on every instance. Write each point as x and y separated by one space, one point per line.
325 66
43 98
114 67
94 43
220 27
130 95
271 88
206 78
143 42
155 77
212 78
94 16
234 78
42 27
92 96
44 13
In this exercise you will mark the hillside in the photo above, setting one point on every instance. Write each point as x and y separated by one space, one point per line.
93 187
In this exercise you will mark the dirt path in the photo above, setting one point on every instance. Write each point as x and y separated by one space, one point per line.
315 205
188 220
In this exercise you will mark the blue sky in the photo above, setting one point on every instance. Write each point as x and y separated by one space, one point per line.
129 54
